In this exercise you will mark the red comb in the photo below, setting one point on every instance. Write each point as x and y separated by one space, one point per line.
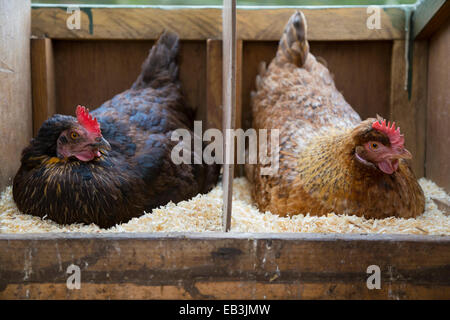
397 140
86 120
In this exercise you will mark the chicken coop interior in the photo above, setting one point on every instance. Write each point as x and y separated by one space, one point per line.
399 71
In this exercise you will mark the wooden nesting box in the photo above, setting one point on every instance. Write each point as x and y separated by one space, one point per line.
399 71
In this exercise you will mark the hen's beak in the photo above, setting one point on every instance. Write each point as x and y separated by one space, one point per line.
104 144
101 144
390 163
401 154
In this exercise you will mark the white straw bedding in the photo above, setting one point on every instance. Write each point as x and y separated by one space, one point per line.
203 213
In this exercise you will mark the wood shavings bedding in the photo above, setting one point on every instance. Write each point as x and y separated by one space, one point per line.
203 213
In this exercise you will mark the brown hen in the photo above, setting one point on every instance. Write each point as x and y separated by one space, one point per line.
330 160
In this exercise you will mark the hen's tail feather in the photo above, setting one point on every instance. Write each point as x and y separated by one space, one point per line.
160 66
293 46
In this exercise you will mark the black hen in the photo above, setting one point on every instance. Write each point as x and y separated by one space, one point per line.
74 173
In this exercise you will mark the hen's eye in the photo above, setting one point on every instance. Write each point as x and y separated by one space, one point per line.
74 135
374 146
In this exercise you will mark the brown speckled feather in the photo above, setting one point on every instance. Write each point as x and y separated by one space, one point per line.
318 129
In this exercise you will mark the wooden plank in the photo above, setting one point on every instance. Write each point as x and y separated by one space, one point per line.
239 72
408 112
347 23
229 105
428 17
418 102
223 290
127 23
254 53
438 115
224 266
15 86
43 81
192 58
214 84
239 170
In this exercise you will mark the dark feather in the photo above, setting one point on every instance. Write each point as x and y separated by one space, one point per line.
137 174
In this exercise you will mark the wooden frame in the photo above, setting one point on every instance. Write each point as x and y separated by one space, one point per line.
199 23
224 266
230 265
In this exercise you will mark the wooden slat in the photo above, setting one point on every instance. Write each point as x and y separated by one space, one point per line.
43 81
214 84
239 168
254 53
429 16
229 105
418 102
323 24
438 114
409 112
15 87
192 58
127 23
239 72
224 266
346 23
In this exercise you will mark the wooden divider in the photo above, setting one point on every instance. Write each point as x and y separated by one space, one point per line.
43 80
229 106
